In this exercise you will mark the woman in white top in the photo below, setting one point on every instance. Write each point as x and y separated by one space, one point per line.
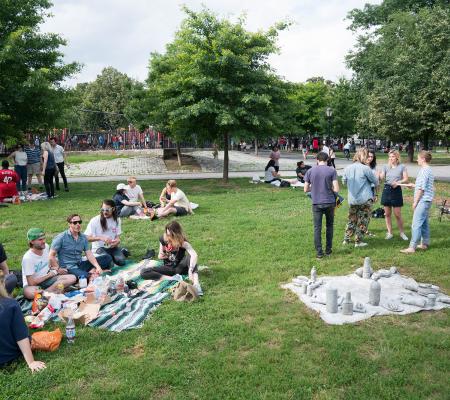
394 174
270 174
20 166
178 203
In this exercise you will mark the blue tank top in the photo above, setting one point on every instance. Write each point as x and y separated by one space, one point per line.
50 160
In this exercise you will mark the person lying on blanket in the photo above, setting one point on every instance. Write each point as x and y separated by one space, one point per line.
36 272
176 257
178 203
67 249
104 231
14 336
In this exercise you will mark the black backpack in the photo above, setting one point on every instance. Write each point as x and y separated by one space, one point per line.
378 213
285 184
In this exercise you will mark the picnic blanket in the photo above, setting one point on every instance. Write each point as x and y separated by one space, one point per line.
125 312
395 291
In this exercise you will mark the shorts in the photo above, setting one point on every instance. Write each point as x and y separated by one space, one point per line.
34 169
180 211
392 197
48 282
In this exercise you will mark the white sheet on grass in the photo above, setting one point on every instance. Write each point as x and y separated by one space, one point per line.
391 290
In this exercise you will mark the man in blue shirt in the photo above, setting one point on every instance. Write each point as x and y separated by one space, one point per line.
69 246
322 182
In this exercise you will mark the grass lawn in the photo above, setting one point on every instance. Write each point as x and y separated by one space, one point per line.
79 158
246 338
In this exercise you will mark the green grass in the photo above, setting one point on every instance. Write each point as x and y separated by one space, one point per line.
79 158
246 338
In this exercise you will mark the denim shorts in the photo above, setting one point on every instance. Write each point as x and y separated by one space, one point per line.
392 197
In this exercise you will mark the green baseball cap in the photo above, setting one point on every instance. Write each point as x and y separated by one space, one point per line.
35 233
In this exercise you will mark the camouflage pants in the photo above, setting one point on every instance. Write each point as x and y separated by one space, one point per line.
358 221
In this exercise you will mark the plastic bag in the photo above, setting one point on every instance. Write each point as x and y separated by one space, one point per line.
46 340
185 292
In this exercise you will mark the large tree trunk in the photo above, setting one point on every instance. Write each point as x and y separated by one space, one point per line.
256 146
410 151
178 154
225 157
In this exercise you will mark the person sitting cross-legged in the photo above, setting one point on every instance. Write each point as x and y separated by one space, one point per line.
178 203
176 257
124 206
67 249
36 273
104 231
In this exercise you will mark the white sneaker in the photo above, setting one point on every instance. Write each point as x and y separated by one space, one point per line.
389 236
360 244
403 236
199 290
345 242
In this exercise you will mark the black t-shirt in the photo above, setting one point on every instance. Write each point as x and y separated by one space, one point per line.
118 198
2 254
302 170
12 330
174 256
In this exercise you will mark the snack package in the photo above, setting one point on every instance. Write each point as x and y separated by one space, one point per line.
46 340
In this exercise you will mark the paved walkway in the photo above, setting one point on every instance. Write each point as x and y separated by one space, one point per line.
242 164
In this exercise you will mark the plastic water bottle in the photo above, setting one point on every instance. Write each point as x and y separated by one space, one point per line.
83 282
70 330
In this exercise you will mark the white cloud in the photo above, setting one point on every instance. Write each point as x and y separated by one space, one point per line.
122 34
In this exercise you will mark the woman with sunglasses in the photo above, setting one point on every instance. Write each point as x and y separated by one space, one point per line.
104 232
176 257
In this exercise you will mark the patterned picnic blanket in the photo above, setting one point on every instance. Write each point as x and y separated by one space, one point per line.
125 312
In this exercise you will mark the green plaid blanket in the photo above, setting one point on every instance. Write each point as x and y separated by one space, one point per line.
125 312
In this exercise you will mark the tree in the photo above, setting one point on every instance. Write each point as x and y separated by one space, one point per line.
215 80
105 100
31 69
403 71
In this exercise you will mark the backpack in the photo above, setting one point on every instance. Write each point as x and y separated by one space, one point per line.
285 184
378 213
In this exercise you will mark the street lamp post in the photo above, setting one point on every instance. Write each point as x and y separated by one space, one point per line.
329 114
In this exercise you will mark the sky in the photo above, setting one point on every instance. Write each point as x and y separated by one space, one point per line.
123 33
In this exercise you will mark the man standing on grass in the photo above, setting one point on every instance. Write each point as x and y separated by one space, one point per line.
322 182
33 163
60 158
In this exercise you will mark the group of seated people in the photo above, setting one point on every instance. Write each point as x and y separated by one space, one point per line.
272 175
129 200
47 267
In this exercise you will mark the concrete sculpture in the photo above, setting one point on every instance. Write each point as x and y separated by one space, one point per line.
347 305
332 299
374 293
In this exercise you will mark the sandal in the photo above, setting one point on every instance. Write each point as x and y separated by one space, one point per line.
422 247
409 250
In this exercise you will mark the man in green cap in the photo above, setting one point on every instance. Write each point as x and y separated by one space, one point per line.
36 271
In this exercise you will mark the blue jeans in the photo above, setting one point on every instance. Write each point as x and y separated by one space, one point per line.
420 228
85 266
22 172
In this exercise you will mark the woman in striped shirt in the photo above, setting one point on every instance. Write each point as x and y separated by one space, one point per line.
423 197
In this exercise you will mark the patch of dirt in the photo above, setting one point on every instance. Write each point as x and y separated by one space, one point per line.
136 351
188 163
162 392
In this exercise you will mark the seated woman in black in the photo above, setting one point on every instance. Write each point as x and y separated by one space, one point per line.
14 340
270 174
301 171
176 258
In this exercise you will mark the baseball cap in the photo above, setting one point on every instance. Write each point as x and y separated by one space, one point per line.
35 233
121 186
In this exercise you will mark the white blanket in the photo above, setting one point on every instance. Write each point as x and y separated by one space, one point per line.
392 290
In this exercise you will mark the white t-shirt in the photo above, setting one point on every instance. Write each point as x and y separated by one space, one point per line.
268 174
32 264
326 149
181 199
133 193
113 229
347 146
20 158
58 152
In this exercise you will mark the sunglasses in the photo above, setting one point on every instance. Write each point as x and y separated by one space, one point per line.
106 209
76 222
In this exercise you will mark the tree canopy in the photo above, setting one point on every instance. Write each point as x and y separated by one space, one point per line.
31 69
214 80
403 71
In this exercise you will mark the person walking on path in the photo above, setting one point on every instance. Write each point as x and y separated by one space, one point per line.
275 156
60 159
359 178
423 198
322 182
20 166
33 163
394 174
